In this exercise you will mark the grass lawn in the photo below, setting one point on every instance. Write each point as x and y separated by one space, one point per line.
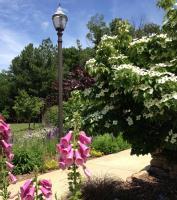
20 128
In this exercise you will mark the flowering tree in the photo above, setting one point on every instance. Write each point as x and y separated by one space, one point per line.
136 87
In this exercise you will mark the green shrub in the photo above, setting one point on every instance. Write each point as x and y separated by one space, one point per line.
26 161
109 144
31 154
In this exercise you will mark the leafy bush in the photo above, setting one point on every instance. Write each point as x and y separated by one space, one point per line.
26 161
109 144
32 154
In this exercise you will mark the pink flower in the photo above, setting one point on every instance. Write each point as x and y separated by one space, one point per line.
9 166
30 194
78 159
12 178
46 192
10 156
7 147
46 183
70 158
25 188
84 139
65 151
66 140
4 130
84 149
62 164
87 172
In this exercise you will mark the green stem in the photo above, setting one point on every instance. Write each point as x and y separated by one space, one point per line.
36 185
75 178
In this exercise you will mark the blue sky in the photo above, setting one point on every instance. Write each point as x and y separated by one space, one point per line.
29 21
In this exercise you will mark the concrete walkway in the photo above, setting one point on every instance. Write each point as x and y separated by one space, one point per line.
120 165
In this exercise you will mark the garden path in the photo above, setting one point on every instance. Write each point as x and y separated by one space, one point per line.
120 165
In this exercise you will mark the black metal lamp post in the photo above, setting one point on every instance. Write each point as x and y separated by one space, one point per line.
59 21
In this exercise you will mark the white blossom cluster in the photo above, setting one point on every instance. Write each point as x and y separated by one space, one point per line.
90 62
107 37
147 39
172 137
129 121
156 102
144 72
139 41
162 65
112 95
106 109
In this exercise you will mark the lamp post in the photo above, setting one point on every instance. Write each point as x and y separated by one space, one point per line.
59 21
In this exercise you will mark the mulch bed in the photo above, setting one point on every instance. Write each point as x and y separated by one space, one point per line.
148 187
144 187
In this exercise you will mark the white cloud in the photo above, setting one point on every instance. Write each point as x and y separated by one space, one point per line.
11 45
45 25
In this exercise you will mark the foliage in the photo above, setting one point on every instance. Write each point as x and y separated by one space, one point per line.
27 107
33 152
97 28
135 90
50 164
26 160
74 104
94 153
108 144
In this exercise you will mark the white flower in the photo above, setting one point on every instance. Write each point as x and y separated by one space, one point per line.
130 121
107 125
138 117
115 122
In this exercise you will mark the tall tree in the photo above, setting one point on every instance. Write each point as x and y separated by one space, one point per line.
34 69
97 28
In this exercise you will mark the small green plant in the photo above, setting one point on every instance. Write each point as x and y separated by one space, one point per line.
50 164
108 144
95 153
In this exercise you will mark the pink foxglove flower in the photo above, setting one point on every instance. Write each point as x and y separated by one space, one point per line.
78 159
7 147
12 178
62 164
25 188
46 183
65 151
9 166
84 149
10 156
30 194
66 140
46 192
87 172
84 139
70 158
